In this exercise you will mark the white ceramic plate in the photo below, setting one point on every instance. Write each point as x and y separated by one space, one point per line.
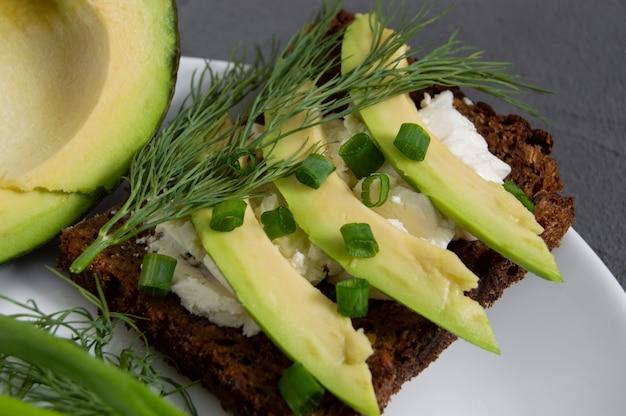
562 345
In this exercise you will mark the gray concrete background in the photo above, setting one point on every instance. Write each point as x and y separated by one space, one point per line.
575 48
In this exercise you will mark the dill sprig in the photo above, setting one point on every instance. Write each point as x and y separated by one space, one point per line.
187 166
168 178
44 388
451 64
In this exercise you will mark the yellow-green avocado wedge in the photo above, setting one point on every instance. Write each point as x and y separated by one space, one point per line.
299 318
483 208
84 86
427 279
29 219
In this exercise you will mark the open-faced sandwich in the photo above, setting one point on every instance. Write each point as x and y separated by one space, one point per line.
315 251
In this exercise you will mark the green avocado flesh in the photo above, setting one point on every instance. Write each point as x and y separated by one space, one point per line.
31 218
299 318
427 279
483 208
84 86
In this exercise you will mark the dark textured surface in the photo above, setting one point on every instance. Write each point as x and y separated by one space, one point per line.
575 48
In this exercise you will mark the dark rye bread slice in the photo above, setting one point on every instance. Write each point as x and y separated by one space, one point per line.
243 372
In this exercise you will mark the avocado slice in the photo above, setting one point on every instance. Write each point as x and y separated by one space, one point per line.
299 318
483 208
87 86
31 218
428 279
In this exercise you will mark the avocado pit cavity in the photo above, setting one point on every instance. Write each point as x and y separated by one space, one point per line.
59 57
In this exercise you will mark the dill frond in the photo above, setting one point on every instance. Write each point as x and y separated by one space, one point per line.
451 64
93 333
168 178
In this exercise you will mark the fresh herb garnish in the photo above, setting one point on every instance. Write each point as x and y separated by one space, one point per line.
300 389
375 182
68 391
278 222
412 141
168 178
157 271
361 155
353 297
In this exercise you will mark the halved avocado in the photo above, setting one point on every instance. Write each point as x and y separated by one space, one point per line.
29 219
84 86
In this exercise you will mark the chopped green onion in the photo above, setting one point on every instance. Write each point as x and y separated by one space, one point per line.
242 161
278 222
412 140
519 194
156 274
228 215
359 240
353 297
383 189
314 170
300 390
361 155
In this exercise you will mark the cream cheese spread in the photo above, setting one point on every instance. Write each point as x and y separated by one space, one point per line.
198 283
460 136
